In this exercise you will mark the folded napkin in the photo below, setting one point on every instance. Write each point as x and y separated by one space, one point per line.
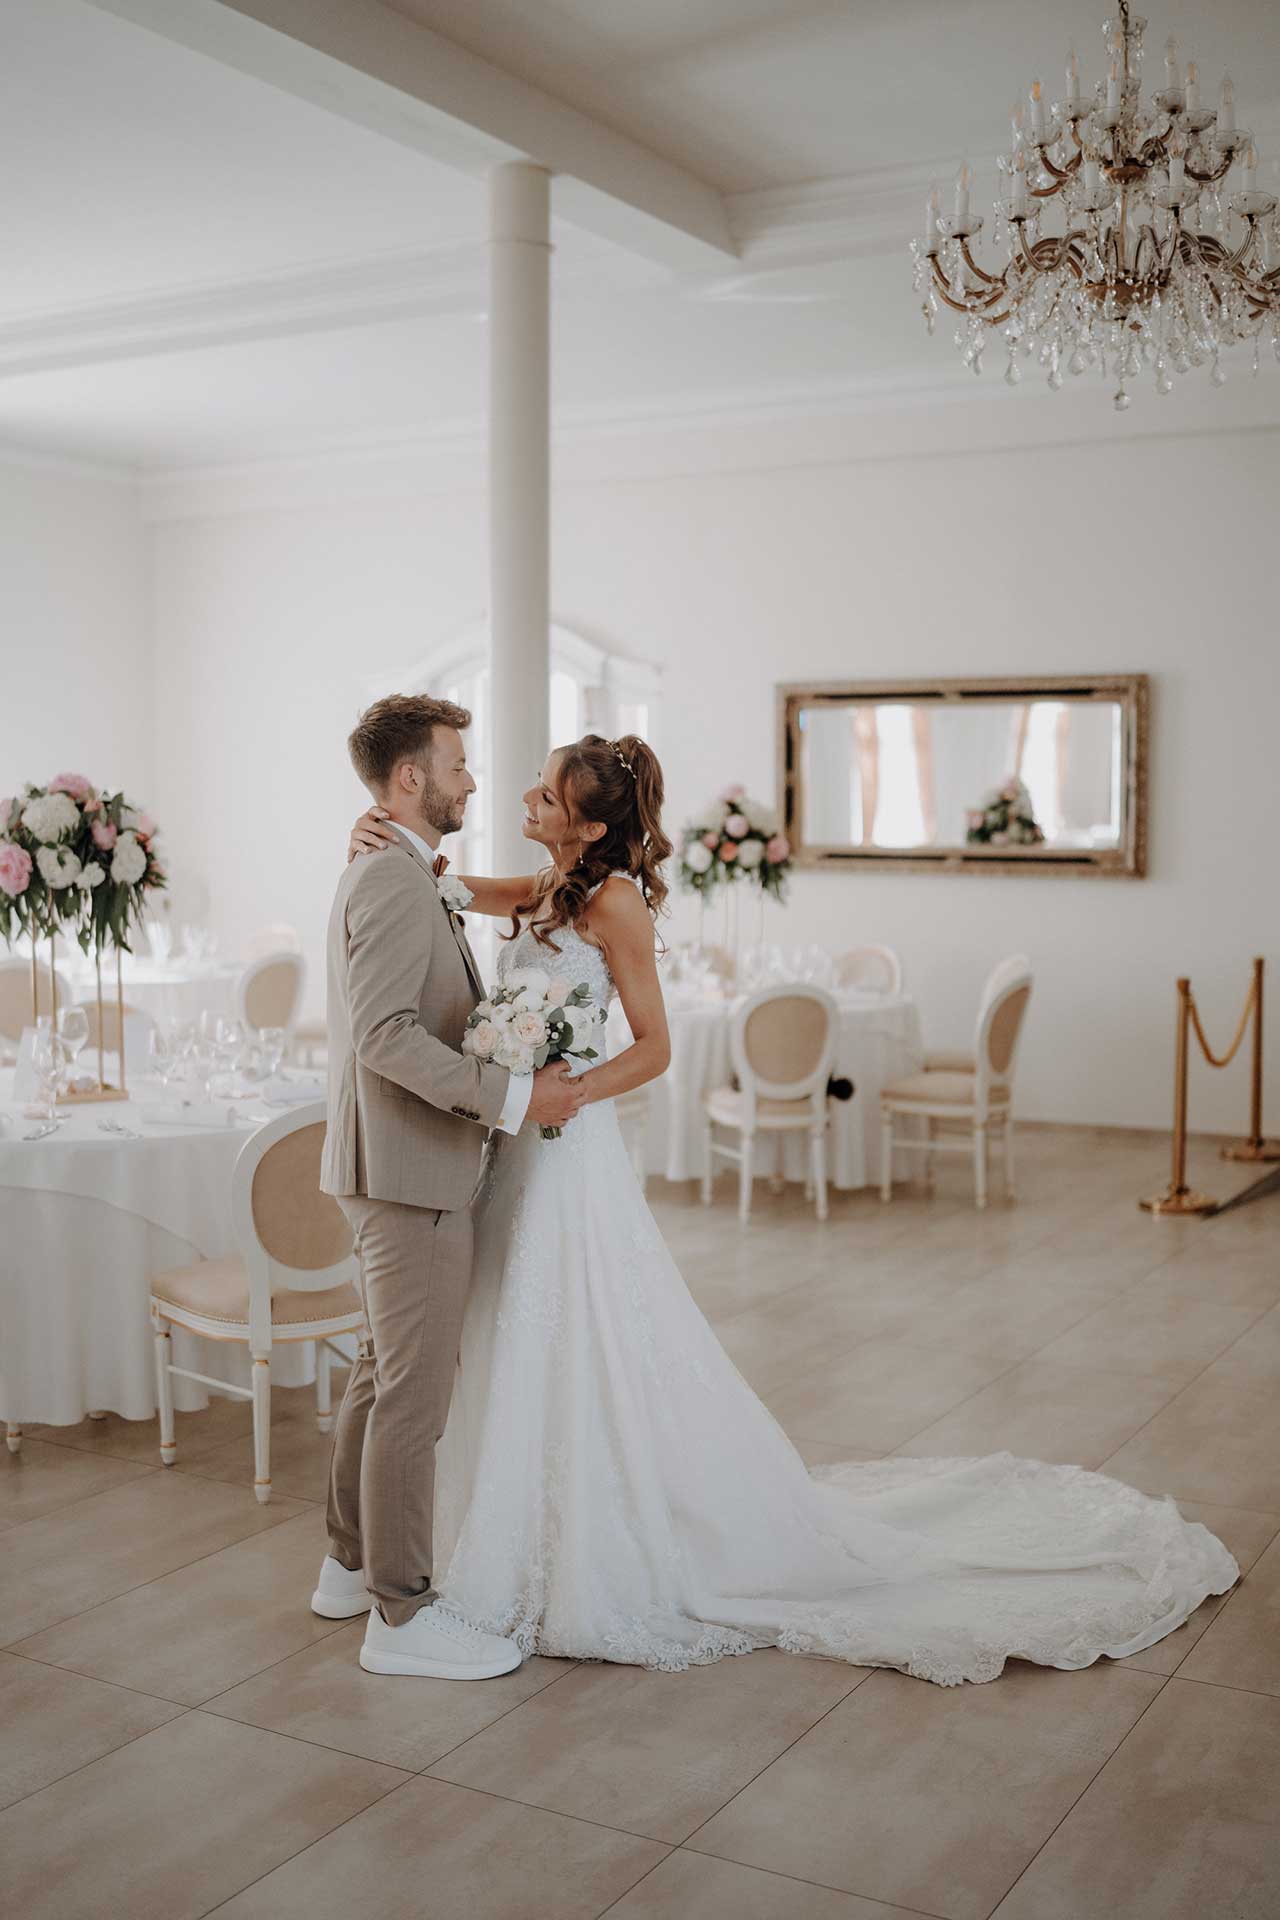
208 1115
296 1091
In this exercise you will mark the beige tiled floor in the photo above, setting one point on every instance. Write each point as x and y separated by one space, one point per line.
182 1735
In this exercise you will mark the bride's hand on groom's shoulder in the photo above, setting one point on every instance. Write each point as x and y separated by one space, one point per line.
369 835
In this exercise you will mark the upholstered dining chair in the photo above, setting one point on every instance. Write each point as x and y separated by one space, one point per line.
977 1098
269 991
781 1043
963 1059
291 1278
15 999
876 968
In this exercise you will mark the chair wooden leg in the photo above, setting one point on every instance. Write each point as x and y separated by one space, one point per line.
13 1436
708 1168
819 1156
1008 1155
164 1389
261 1430
979 1166
324 1402
886 1156
745 1170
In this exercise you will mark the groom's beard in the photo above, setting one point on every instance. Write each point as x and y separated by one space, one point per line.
438 810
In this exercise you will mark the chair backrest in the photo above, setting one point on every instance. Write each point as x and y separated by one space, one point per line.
137 1025
16 1013
287 1232
876 968
267 941
782 1040
269 991
1000 1019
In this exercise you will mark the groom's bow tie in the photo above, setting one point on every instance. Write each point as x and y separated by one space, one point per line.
439 864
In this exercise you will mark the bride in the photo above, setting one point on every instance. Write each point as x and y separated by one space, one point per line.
609 1487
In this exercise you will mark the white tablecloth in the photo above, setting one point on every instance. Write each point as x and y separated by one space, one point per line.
84 1219
879 1038
172 990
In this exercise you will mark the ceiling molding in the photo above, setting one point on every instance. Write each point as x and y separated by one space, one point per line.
372 65
821 221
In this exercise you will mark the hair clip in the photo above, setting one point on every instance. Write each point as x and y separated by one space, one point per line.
621 761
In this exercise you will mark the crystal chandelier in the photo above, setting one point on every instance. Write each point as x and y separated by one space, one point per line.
1157 267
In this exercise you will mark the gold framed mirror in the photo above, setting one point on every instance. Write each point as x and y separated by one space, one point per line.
1044 775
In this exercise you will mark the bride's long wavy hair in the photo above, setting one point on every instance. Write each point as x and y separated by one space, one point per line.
619 783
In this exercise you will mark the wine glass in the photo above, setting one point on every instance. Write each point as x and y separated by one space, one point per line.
271 1050
73 1030
51 1058
164 1058
204 1051
230 1040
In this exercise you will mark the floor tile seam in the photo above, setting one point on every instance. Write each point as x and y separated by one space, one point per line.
1222 1686
192 1471
306 1847
537 1806
110 1754
761 1771
120 1686
788 1879
8 1645
1095 1776
1184 1388
425 1769
82 1499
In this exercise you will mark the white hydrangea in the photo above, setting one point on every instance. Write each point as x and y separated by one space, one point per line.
129 861
698 858
751 853
50 817
92 876
59 866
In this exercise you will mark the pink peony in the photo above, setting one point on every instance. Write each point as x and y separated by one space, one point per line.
711 840
15 869
777 850
73 783
146 827
728 850
732 795
105 835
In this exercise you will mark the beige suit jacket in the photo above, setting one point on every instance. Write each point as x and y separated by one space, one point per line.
408 1112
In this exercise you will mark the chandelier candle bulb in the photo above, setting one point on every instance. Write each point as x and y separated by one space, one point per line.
1113 88
963 181
931 207
1193 86
1251 169
1037 112
1172 75
1019 182
1073 80
1091 178
1227 108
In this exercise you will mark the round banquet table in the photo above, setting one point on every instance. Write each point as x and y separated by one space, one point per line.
878 1039
167 990
85 1218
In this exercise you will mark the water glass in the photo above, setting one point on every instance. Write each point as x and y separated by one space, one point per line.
271 1044
73 1029
165 1061
51 1059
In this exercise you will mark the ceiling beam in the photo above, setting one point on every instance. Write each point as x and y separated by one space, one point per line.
373 66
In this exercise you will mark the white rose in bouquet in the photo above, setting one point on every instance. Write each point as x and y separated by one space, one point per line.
50 817
751 853
558 992
129 861
698 858
58 865
482 1039
529 1028
510 1054
93 876
531 982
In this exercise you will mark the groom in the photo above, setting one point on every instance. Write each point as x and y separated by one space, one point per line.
408 1118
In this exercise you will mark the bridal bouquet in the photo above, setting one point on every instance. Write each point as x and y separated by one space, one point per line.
533 1018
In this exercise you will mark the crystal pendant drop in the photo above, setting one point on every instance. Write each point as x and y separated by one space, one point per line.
1076 363
1120 400
1012 374
1219 374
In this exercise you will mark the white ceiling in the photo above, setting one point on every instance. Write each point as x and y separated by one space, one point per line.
201 267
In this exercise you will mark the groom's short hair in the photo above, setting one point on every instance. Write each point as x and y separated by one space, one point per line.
399 728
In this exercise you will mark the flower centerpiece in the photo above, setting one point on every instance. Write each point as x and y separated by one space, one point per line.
78 861
1005 818
736 839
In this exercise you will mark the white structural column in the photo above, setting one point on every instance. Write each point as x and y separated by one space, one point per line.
519 494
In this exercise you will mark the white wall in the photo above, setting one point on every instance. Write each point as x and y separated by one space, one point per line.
1143 555
75 681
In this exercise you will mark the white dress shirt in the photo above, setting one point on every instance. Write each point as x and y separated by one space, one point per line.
520 1085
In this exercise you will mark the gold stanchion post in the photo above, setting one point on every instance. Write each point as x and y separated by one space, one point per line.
1178 1197
1257 1146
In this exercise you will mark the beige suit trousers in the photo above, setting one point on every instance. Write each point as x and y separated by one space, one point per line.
415 1269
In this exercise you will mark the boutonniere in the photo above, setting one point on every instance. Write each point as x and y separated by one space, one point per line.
455 893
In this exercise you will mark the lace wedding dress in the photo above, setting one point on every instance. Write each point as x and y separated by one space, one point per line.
609 1487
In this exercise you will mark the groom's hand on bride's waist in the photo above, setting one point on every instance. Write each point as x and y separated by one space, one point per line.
556 1096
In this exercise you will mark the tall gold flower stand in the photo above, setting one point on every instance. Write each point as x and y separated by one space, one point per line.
104 1090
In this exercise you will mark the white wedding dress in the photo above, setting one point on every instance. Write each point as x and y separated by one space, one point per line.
609 1487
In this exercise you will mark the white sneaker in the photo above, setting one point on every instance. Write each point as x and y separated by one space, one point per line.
339 1594
436 1645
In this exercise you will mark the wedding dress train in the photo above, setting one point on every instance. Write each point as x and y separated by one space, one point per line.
609 1487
